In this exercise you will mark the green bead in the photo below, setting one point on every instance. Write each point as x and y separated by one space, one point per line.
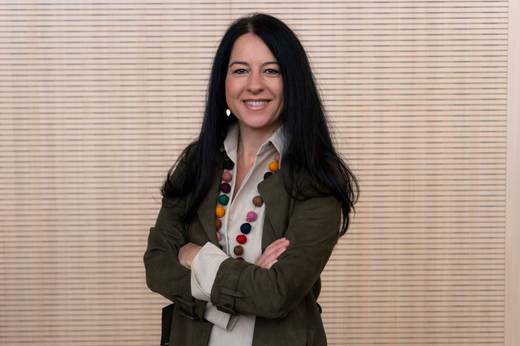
223 199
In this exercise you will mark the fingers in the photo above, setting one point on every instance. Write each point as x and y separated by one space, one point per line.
282 242
186 254
272 252
276 248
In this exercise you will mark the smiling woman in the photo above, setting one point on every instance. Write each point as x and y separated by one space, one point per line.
252 209
254 87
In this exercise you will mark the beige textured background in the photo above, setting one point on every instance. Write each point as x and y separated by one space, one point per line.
97 99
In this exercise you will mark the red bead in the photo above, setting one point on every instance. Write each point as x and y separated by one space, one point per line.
241 239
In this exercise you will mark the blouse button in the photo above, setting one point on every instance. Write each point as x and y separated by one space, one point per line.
218 224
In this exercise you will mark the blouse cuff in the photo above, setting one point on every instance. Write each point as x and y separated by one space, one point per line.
219 318
204 269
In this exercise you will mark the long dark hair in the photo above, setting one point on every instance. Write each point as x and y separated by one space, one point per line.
309 158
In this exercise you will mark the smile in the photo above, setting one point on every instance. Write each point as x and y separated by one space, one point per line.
256 105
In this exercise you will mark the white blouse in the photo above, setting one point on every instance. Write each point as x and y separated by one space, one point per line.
230 330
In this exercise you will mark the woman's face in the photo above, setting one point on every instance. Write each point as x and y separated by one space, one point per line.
254 85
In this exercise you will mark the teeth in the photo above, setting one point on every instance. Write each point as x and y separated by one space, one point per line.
256 103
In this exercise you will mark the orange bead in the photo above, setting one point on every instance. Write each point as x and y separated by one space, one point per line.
220 211
273 166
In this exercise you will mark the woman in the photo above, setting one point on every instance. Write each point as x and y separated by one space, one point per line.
254 207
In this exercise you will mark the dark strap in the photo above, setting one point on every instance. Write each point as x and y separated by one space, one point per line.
166 324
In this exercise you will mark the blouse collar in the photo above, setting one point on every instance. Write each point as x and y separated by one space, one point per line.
231 142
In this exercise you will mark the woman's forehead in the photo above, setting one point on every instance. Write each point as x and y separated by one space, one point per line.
251 49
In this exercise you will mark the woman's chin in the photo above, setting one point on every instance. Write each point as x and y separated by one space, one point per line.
257 125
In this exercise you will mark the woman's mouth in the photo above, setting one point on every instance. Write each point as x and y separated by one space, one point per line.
256 105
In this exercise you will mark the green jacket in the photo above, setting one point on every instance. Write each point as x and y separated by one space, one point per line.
283 297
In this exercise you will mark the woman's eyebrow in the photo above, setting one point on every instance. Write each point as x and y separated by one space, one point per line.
245 63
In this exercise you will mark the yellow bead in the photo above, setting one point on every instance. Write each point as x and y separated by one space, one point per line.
220 211
273 166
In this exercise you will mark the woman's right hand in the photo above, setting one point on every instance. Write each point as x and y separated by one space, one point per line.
272 252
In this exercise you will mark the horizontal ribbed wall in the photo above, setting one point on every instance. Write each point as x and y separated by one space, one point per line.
98 99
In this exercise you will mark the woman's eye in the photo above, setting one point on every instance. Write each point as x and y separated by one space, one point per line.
272 71
238 71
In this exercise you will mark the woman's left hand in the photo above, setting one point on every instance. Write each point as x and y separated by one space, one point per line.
187 253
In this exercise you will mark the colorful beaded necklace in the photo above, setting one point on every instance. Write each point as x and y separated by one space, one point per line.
223 200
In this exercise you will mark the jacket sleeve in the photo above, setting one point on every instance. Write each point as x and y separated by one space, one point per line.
242 287
164 273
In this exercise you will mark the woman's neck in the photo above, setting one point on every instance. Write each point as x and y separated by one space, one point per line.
249 142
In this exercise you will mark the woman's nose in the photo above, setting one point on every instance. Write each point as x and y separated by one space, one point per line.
255 82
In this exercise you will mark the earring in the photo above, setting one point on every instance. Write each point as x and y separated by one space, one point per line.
228 112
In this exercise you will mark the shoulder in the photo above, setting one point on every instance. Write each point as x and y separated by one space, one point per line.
185 159
178 173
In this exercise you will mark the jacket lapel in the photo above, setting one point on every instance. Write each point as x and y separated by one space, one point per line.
276 202
275 198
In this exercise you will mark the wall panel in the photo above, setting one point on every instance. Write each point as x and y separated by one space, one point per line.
97 99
